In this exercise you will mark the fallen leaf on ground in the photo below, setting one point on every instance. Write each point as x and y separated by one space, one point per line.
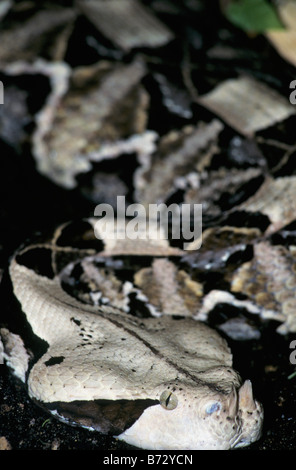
247 105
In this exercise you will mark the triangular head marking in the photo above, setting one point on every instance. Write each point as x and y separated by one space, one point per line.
107 416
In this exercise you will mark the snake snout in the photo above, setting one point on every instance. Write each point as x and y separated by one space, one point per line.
251 412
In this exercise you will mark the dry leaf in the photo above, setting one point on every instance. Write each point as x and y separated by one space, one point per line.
285 44
126 23
285 41
247 105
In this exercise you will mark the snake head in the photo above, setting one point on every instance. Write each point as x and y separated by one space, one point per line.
200 418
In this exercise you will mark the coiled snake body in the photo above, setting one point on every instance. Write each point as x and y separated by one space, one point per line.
156 383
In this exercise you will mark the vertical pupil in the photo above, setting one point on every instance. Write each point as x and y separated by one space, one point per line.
168 400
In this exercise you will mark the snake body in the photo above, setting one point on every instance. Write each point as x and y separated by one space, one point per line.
156 383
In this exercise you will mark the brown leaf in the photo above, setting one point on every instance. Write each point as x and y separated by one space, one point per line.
247 105
285 41
126 23
285 44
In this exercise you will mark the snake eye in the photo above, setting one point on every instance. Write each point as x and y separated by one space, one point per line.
168 400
